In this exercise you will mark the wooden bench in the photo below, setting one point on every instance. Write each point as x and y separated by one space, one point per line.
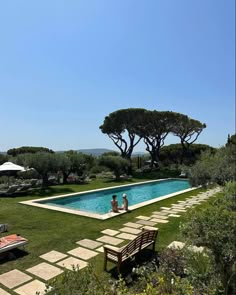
118 255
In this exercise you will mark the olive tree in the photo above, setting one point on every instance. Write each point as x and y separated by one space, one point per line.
116 164
44 163
3 158
73 162
217 167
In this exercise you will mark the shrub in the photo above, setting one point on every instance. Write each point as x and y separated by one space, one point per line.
213 227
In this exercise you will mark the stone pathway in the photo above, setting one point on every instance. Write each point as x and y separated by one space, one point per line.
53 256
45 271
3 292
30 288
55 262
71 262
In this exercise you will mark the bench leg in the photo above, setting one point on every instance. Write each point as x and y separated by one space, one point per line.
153 247
105 263
118 267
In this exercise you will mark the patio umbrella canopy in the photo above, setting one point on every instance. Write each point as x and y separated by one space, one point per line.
9 169
9 166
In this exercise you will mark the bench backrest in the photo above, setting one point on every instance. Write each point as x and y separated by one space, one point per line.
147 236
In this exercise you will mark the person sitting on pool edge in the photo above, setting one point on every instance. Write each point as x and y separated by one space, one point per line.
125 203
114 204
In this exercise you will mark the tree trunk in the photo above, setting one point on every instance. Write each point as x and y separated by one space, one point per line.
45 180
65 176
154 158
184 152
117 175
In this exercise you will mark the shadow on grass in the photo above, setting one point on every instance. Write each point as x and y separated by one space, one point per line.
127 266
41 192
12 255
119 181
50 191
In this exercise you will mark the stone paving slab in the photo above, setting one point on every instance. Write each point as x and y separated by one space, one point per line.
146 222
174 215
165 208
159 216
45 271
150 227
89 243
176 244
132 224
165 211
3 292
110 232
14 278
100 249
31 288
143 217
194 202
72 262
82 253
131 230
190 202
110 240
53 256
177 211
178 207
159 220
161 213
126 236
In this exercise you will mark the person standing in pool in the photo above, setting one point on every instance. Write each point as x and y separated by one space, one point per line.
114 204
125 203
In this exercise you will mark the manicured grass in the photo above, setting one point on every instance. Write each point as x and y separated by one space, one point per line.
50 230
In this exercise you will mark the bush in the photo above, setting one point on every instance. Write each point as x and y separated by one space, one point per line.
213 227
214 168
116 164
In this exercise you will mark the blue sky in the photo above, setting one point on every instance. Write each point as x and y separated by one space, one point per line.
65 65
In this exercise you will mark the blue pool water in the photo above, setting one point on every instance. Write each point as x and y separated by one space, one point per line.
99 202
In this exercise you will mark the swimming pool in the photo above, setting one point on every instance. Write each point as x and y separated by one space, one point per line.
96 203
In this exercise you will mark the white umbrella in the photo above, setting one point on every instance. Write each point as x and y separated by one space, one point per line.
10 168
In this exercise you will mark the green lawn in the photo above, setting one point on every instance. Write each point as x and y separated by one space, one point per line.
50 230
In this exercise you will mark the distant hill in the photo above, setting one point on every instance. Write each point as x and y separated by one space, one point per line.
135 154
99 152
94 152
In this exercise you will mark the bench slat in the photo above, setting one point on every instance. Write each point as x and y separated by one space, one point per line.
142 241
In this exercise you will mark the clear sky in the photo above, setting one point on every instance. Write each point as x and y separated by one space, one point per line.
65 65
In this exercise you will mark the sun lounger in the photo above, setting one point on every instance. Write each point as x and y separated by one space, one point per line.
11 190
24 188
10 242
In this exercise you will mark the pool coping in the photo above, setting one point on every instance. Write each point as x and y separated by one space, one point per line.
106 215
